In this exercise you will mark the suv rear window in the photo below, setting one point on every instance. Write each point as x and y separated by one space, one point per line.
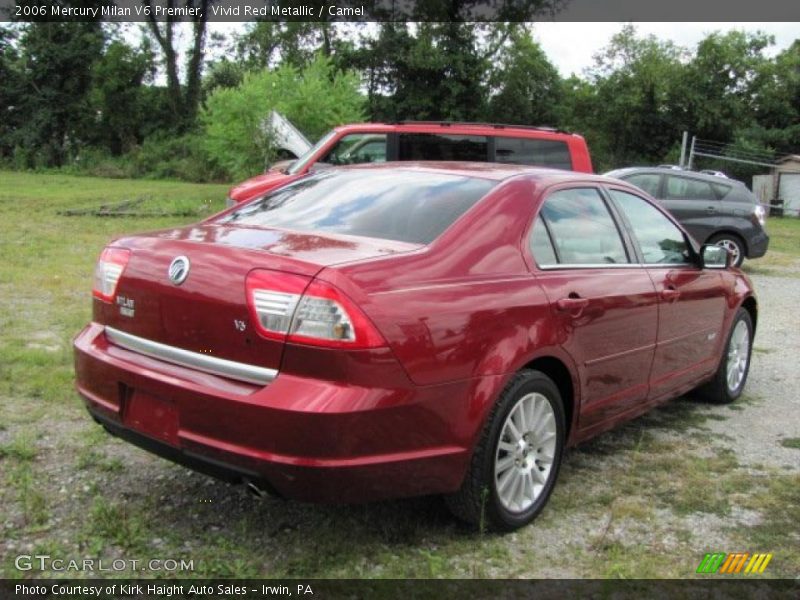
524 151
407 206
434 146
649 182
684 188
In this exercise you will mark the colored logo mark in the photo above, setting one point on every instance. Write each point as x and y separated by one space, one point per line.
738 562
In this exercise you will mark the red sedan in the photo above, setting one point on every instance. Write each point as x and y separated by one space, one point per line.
407 329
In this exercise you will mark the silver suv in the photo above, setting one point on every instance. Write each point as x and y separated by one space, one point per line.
715 210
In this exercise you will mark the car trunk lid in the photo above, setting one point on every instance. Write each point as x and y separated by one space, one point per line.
207 312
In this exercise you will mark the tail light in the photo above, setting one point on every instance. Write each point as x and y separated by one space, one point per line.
293 308
108 271
760 214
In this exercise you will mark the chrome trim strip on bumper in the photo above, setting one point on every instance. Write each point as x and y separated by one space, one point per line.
192 360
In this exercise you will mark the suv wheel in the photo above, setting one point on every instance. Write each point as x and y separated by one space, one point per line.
732 244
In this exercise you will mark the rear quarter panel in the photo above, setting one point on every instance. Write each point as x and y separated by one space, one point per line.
466 306
465 309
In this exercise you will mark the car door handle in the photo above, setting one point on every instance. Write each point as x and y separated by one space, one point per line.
670 294
711 209
572 305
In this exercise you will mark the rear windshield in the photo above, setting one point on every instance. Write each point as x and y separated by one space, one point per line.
528 151
407 206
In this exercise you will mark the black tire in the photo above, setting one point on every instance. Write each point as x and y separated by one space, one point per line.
730 241
477 501
718 390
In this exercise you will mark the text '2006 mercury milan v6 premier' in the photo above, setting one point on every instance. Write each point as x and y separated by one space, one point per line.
406 329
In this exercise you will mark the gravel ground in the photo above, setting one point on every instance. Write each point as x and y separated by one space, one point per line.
773 381
624 505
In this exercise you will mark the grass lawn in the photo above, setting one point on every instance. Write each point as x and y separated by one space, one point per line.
783 252
47 263
784 236
621 508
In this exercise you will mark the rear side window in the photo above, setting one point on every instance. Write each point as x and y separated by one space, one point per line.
582 229
683 188
721 190
522 151
434 146
649 182
660 240
407 206
541 246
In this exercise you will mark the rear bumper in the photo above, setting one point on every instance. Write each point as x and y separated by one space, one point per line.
301 438
197 462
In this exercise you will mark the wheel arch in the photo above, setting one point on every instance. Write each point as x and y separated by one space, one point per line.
733 233
561 375
751 306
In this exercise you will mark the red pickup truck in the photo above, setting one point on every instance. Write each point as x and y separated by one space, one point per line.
433 141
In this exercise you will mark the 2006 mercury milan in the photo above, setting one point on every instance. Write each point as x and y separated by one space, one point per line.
372 332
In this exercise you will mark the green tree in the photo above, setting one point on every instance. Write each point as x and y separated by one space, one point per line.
633 106
527 87
57 61
776 102
269 43
438 73
378 60
720 81
314 100
11 92
578 112
117 96
222 73
184 98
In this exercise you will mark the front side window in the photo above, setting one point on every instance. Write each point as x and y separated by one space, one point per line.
527 151
356 149
649 182
435 146
301 162
407 206
582 229
660 240
684 188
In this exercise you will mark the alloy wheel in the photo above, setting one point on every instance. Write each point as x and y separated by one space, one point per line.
738 356
733 249
525 452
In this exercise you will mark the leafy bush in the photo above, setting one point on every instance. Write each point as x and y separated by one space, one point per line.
159 157
176 157
314 100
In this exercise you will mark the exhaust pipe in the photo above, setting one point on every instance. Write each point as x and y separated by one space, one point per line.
255 490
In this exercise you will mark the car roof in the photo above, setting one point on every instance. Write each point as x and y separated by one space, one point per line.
483 170
675 172
455 127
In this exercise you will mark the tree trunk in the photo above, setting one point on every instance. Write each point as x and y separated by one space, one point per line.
184 100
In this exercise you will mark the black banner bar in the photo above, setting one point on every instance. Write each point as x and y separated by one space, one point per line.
400 10
387 589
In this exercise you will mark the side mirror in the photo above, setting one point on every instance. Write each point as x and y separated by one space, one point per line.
716 257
